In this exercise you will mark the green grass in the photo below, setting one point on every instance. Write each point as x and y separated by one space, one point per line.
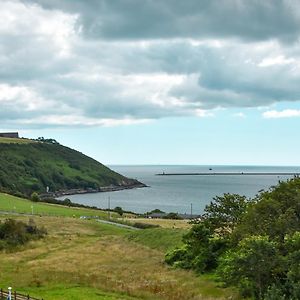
11 203
73 293
83 259
15 141
26 167
158 238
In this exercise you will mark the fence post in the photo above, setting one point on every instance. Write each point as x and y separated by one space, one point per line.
28 298
15 293
1 294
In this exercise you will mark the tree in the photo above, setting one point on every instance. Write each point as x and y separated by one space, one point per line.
224 213
274 213
200 252
119 210
35 197
253 266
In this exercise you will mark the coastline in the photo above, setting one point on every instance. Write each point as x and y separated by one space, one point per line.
110 188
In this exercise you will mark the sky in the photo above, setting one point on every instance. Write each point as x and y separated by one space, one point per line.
213 82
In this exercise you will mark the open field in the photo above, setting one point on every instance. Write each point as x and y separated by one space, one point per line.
83 259
15 141
14 204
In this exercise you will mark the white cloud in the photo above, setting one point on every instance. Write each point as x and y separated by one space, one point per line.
286 113
53 28
22 97
54 71
202 113
67 120
278 60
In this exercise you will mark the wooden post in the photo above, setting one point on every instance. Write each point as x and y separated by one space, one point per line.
28 298
15 293
1 293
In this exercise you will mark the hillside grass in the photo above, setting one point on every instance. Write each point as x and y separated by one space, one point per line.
27 167
15 141
14 204
83 259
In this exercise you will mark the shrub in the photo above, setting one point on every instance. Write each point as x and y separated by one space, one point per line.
14 233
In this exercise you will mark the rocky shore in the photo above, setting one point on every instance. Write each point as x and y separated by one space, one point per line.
110 188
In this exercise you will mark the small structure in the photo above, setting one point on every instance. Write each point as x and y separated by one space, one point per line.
13 135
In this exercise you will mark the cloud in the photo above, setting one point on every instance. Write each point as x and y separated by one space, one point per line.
103 62
286 113
134 19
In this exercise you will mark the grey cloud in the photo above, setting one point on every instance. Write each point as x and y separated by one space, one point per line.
115 73
154 19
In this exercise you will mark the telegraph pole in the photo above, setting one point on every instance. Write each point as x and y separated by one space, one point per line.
109 207
191 210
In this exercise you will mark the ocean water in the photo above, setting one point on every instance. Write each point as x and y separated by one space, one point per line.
177 193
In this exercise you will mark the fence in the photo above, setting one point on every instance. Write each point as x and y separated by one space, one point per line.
15 296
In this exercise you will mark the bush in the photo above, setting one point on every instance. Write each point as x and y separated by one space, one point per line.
35 197
14 233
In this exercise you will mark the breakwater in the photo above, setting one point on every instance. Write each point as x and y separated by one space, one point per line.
230 174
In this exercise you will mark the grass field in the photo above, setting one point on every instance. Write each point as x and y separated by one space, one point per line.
14 204
164 223
82 259
17 141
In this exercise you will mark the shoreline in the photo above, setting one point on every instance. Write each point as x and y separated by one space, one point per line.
111 188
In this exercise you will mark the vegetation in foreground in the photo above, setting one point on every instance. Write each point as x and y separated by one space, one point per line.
83 259
251 244
32 167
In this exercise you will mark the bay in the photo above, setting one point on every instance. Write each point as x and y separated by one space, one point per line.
179 193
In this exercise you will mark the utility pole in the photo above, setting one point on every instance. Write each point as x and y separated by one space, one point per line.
191 210
109 207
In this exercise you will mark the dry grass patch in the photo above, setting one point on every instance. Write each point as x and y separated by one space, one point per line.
88 254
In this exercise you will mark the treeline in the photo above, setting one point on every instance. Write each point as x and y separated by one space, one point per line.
253 244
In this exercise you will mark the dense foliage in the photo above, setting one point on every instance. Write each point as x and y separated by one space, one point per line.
32 167
254 245
15 233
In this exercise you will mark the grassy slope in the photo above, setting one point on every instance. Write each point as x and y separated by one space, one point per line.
83 259
28 166
14 204
15 141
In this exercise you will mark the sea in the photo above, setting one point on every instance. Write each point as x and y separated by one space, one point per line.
181 193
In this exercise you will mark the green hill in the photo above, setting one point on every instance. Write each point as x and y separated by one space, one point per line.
28 166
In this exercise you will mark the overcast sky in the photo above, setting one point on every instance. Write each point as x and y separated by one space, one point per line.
155 81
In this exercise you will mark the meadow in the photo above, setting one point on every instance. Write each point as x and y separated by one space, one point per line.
84 259
14 204
15 141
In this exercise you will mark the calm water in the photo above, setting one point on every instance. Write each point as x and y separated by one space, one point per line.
176 193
